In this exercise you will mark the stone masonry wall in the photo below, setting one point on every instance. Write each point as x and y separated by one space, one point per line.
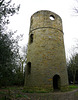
46 52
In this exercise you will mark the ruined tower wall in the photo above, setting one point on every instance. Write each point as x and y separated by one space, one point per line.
46 52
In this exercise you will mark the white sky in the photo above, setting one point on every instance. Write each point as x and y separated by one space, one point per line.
64 8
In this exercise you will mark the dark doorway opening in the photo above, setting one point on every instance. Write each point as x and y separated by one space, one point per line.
56 82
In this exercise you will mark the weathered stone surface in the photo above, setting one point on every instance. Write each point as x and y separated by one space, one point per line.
46 53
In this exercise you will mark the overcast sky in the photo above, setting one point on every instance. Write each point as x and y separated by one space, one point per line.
64 8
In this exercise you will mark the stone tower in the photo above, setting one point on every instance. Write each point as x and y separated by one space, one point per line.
46 63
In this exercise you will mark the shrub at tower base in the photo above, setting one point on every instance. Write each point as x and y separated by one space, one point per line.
46 62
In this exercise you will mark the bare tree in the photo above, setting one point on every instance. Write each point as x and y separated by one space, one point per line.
76 8
23 58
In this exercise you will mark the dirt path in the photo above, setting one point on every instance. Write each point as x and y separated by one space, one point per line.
18 94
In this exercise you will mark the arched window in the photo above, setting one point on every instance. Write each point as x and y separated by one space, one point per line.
31 38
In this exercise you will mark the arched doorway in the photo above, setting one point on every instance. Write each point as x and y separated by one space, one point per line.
56 82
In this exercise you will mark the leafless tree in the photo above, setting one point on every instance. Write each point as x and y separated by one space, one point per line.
76 8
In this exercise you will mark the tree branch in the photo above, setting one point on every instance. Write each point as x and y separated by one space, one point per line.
1 2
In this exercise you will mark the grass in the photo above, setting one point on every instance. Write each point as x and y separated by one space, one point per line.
73 86
12 93
70 88
35 91
2 92
21 96
19 92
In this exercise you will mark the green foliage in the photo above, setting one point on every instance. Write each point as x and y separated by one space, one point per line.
36 90
1 92
9 49
13 93
7 59
19 79
21 96
18 95
73 86
73 69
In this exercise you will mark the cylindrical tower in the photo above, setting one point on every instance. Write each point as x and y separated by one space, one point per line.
46 62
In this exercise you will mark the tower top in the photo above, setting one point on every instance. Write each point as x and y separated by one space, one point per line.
45 19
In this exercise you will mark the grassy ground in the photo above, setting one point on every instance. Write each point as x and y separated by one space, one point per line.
13 93
72 87
17 93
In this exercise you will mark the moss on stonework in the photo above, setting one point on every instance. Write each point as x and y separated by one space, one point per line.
64 88
47 89
37 89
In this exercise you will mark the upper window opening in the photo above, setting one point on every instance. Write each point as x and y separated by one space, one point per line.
52 17
31 38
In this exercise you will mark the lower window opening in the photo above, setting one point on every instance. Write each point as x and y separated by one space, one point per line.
29 68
